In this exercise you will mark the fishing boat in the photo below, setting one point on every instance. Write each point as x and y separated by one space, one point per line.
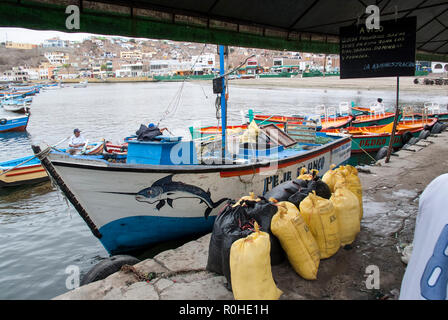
28 170
30 173
373 120
18 123
19 106
372 139
333 122
82 84
170 188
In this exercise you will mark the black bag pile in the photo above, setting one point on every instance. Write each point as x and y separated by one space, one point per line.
297 190
236 221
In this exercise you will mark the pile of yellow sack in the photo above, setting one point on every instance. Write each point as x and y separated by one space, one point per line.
313 232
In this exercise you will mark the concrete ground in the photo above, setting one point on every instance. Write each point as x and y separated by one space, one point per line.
391 193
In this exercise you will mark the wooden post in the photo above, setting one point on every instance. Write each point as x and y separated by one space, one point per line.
397 114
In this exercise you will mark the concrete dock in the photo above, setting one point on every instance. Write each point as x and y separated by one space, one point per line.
390 196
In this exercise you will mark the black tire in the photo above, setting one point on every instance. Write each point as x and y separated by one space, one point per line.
436 128
424 134
415 81
107 267
3 121
406 137
413 141
382 153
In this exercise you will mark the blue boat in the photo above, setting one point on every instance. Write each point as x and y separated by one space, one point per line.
19 123
21 171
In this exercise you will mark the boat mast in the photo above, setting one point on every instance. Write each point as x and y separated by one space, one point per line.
223 100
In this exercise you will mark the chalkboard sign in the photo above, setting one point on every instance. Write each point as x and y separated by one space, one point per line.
386 52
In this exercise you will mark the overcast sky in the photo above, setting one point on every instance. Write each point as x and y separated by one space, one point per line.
37 37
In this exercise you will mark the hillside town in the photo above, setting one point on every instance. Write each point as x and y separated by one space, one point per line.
118 57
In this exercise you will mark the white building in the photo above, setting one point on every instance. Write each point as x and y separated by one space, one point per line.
203 64
439 67
130 70
55 43
57 58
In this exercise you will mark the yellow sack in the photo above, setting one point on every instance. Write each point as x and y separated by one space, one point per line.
250 268
307 176
320 216
330 177
296 239
347 212
250 135
349 175
250 197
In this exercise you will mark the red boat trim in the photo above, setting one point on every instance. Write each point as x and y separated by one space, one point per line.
24 173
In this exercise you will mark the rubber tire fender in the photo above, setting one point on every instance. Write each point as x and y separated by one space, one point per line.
437 128
3 121
106 267
406 137
413 141
382 153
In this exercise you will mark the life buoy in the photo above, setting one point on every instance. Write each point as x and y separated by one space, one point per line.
3 121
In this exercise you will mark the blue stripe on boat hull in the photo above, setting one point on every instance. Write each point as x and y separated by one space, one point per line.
133 233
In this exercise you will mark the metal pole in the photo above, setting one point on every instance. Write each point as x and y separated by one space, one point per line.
223 101
397 114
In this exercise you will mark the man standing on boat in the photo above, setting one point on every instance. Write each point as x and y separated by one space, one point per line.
77 142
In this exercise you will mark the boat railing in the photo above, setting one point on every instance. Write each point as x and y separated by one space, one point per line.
321 110
432 107
331 113
344 108
377 110
408 113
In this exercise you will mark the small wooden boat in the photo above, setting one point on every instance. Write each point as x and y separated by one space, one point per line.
333 122
82 84
13 123
261 119
336 122
28 170
373 120
29 173
371 139
19 107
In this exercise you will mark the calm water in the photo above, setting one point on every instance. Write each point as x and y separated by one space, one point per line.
40 235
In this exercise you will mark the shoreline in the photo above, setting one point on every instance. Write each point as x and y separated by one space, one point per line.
390 197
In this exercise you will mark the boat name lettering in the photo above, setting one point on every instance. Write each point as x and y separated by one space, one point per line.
273 181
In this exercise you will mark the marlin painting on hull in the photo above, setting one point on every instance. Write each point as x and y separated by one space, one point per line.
167 191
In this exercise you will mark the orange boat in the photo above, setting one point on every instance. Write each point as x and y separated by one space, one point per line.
373 120
373 138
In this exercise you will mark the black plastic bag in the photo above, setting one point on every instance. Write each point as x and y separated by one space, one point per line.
263 211
230 225
283 191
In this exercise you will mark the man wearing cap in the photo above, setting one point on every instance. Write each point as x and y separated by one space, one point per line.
76 141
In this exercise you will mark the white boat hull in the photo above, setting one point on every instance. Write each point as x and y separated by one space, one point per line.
133 206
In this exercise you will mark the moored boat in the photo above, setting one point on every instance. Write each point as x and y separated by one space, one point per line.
28 170
18 123
372 139
373 120
165 195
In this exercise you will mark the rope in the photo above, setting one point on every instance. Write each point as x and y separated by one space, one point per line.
363 149
177 97
46 150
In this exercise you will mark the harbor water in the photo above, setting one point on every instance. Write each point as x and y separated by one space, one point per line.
42 237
